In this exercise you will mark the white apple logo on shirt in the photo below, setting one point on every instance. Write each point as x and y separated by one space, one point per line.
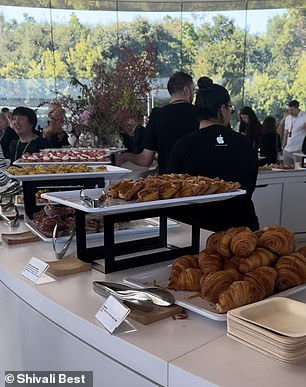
220 139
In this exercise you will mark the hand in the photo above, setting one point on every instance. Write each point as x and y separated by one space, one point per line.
120 159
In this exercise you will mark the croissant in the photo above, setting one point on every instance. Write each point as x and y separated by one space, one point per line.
291 271
223 244
210 261
189 279
260 257
232 265
239 293
214 284
278 239
212 240
243 243
263 279
179 265
302 250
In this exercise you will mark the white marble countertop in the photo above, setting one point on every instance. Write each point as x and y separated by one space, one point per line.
175 353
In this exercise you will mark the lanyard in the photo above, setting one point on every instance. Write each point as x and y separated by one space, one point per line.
24 150
291 127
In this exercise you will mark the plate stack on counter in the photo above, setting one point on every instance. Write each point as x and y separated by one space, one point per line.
275 327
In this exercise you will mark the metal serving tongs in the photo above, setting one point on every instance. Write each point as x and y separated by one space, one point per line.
10 220
92 202
145 297
61 254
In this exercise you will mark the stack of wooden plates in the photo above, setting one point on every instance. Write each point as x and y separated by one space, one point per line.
276 327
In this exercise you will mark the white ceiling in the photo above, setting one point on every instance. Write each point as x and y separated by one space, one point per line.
158 5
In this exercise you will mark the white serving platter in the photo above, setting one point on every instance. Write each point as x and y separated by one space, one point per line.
108 151
75 149
187 299
23 163
111 172
113 206
281 315
147 227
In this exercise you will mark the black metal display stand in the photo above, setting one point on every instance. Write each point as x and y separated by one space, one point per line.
30 188
112 252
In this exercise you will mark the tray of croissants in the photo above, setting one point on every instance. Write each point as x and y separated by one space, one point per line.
236 268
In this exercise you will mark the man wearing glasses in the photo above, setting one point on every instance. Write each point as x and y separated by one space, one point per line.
295 131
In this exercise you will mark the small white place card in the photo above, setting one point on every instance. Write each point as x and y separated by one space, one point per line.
35 269
112 313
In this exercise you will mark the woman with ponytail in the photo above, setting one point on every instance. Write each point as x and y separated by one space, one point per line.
217 151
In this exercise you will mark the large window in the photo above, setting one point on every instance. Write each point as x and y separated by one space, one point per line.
259 55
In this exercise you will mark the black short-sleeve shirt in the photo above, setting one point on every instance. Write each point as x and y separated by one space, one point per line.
218 151
167 125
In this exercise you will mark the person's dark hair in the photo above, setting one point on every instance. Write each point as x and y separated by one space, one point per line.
210 97
25 111
269 125
178 81
5 110
248 111
294 103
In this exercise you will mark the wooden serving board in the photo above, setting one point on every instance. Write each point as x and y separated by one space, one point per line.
22 237
67 266
159 313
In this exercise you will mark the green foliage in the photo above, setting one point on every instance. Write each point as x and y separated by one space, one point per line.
267 95
299 84
273 65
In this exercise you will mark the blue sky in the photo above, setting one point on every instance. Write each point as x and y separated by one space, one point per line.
256 20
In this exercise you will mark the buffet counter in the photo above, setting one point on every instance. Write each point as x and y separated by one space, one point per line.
279 199
53 327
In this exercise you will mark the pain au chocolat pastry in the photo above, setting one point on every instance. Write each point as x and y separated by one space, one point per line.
148 194
259 257
291 271
189 279
278 239
132 190
122 185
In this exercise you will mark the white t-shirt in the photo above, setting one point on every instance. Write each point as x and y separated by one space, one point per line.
296 129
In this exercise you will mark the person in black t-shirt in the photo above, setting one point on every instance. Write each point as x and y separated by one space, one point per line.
270 143
217 151
167 124
24 122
